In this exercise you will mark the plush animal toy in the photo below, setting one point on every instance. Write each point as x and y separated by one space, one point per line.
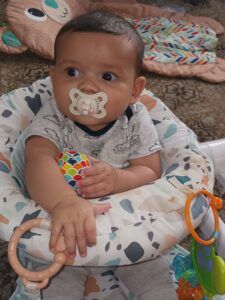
33 24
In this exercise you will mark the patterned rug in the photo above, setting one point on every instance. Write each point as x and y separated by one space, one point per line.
199 104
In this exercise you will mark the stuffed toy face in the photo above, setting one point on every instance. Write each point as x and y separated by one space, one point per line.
28 18
36 22
57 10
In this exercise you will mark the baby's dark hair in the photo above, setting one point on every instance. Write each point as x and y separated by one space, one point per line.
101 21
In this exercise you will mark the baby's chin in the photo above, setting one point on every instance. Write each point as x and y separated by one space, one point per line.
91 122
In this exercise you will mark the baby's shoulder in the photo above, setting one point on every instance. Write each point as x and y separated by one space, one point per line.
138 109
50 107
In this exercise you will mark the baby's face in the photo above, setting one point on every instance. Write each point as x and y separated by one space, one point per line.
93 63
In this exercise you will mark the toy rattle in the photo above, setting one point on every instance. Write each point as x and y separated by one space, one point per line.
204 266
71 164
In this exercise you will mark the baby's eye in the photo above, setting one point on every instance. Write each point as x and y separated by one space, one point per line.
72 72
108 76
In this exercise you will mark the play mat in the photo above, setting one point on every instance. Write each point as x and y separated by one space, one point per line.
176 43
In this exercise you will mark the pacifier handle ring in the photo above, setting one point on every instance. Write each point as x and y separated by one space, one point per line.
215 203
32 279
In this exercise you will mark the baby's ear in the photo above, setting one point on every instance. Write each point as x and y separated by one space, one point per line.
139 85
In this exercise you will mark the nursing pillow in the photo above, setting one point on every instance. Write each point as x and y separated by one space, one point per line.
143 222
186 48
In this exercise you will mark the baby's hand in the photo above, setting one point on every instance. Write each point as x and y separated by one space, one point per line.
99 180
75 219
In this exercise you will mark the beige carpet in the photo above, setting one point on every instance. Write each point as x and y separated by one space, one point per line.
199 104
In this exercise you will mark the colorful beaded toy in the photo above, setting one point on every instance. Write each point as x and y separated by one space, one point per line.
72 163
201 274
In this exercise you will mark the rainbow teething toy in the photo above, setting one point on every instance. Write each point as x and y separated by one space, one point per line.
72 163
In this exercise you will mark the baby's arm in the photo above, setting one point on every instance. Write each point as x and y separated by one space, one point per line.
71 215
102 179
140 172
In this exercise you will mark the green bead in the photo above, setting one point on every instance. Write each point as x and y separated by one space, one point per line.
218 274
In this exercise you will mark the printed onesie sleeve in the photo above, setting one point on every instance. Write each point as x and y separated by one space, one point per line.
144 138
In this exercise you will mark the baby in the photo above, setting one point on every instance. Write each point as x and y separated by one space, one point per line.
95 110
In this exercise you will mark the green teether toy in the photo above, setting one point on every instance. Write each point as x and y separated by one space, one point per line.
209 267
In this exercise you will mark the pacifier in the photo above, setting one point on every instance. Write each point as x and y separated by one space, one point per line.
88 105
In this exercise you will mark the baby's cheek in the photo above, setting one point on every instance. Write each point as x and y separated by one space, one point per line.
63 106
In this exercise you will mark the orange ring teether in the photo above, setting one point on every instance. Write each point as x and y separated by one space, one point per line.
215 204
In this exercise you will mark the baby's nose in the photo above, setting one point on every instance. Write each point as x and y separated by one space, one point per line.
88 87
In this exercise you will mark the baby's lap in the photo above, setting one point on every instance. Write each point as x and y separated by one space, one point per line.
153 270
148 280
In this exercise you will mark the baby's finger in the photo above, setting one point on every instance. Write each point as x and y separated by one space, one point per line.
69 237
56 229
95 190
93 171
90 180
90 230
101 208
93 159
81 239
